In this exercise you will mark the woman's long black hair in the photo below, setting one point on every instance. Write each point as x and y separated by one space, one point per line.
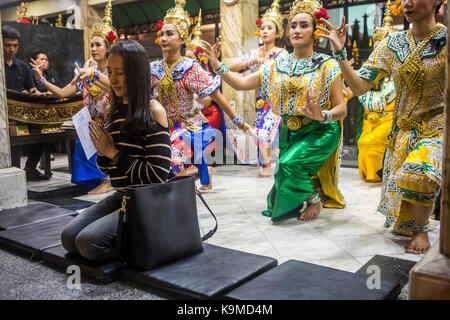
136 66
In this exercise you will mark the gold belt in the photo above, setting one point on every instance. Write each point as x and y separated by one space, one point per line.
374 116
190 127
295 123
409 122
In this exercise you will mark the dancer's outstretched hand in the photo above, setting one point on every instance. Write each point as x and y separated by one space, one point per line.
83 74
36 68
337 36
312 109
212 53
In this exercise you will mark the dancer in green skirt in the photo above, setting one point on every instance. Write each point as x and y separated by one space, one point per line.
306 89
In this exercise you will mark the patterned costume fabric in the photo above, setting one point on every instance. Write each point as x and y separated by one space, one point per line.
266 122
188 147
312 151
94 98
378 106
413 167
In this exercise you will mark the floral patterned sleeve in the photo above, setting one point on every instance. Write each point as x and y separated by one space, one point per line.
201 82
379 64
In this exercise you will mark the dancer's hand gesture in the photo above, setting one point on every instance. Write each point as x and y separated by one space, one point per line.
83 74
312 109
36 68
212 53
337 36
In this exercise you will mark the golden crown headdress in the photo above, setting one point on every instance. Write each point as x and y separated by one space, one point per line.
273 14
313 7
180 18
105 29
196 34
380 33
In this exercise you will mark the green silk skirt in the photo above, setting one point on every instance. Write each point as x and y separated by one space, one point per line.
302 154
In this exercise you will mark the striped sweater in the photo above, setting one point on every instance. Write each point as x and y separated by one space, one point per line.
144 161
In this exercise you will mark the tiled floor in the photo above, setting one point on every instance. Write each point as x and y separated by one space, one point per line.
341 238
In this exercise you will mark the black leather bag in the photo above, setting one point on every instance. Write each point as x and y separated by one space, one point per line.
158 223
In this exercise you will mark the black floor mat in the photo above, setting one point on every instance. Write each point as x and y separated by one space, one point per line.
31 239
391 269
33 213
104 271
63 197
297 280
209 274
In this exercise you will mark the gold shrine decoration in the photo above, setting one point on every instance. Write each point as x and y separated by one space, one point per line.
196 34
380 33
22 11
45 114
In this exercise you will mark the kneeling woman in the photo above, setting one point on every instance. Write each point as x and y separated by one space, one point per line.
133 148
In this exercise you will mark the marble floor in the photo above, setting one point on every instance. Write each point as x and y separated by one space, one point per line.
344 239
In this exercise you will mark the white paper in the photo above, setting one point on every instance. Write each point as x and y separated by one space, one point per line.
81 123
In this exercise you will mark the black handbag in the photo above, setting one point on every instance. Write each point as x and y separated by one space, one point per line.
158 223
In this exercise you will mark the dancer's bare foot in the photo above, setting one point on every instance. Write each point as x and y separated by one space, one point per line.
209 186
419 244
104 187
312 212
265 171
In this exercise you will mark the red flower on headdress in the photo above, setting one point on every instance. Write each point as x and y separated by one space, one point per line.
111 36
258 22
159 25
322 13
198 50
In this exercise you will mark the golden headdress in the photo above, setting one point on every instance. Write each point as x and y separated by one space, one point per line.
105 29
313 7
380 33
196 34
180 18
273 14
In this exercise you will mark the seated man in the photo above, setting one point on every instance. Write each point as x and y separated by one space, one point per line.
18 78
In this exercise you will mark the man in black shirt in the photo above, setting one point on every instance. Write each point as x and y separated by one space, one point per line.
18 77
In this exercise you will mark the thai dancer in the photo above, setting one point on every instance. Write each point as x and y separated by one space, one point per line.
306 90
415 59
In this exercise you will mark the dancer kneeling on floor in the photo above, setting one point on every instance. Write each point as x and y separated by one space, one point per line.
133 148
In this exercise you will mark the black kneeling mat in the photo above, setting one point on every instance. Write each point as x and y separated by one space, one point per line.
206 275
33 213
31 239
104 271
297 280
391 269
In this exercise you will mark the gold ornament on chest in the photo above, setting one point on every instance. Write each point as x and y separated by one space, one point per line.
292 85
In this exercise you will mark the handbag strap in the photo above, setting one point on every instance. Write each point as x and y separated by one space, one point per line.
212 231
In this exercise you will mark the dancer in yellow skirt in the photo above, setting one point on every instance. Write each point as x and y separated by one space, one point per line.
412 168
378 106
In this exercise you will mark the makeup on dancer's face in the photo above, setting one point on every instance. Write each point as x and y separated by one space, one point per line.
301 29
268 31
169 37
415 10
116 74
98 48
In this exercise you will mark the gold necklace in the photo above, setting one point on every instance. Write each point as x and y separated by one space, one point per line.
412 73
167 89
292 84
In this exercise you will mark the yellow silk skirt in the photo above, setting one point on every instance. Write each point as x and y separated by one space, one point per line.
372 145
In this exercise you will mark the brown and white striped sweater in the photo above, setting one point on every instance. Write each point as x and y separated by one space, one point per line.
144 161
